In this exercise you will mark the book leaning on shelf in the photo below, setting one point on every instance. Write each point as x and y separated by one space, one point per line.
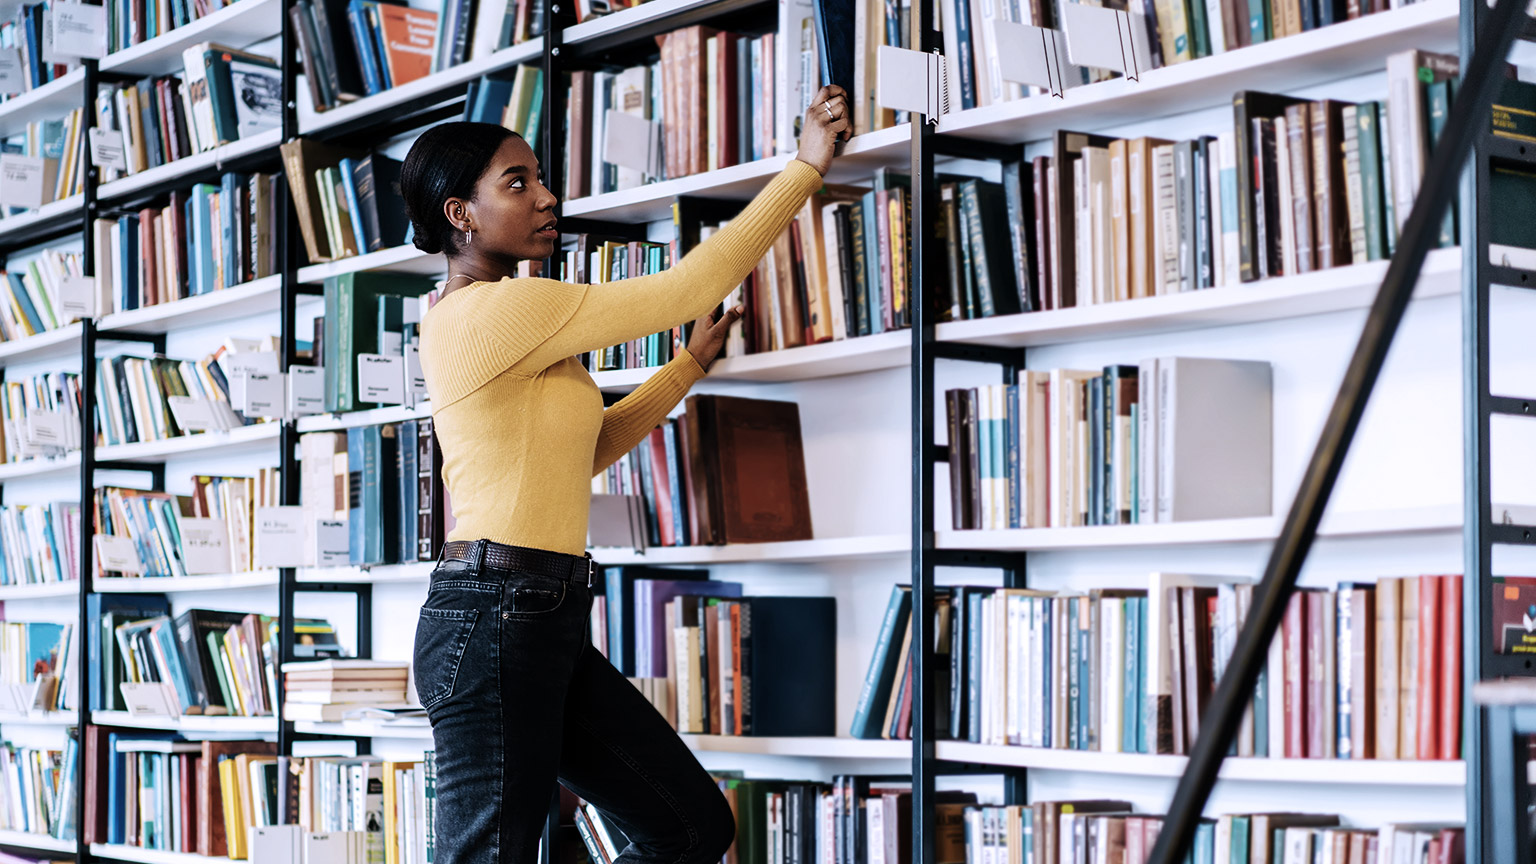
32 300
206 238
704 482
39 667
1170 440
155 790
58 144
347 201
40 543
156 398
40 416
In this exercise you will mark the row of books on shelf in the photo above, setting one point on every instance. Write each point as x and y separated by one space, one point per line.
130 23
33 289
697 480
365 47
1363 671
1169 440
347 200
715 662
39 543
210 531
57 143
23 31
39 662
516 103
142 398
211 662
41 416
37 790
207 238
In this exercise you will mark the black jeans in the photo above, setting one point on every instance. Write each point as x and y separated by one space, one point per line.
519 698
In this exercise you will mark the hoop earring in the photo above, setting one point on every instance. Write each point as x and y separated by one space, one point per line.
469 236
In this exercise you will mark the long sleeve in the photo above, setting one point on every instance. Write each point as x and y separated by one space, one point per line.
616 312
628 421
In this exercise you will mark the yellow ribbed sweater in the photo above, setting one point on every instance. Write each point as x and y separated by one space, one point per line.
521 424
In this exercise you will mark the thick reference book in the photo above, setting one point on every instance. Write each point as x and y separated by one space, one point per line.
748 470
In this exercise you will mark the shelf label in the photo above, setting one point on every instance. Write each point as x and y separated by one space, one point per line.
908 80
279 537
332 543
77 296
415 382
12 79
149 699
1033 55
195 415
258 394
1107 38
381 378
107 149
47 429
21 180
73 30
306 390
118 554
205 546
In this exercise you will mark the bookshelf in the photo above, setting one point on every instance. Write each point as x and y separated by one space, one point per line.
883 387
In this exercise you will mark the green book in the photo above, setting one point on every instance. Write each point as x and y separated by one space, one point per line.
1240 840
1514 110
1367 119
1199 33
221 670
1512 207
1439 99
860 269
1258 21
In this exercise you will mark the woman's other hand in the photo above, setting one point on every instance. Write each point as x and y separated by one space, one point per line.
709 336
826 121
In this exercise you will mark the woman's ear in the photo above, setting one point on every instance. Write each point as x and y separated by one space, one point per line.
456 211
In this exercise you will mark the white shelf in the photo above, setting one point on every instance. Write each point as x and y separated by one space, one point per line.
30 840
239 301
652 202
38 467
808 747
397 259
402 729
59 343
48 102
1371 772
237 25
845 357
1373 523
415 571
1332 290
368 417
120 852
788 552
197 162
189 724
13 224
37 718
602 25
1296 62
171 585
240 438
311 121
66 588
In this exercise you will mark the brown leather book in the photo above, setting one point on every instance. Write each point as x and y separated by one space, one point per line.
210 803
95 767
578 183
1362 673
1047 824
301 158
699 513
671 103
791 329
751 469
724 104
1331 209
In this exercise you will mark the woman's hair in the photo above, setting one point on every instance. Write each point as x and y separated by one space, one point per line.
445 162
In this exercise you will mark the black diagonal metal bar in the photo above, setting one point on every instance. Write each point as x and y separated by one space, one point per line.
1218 726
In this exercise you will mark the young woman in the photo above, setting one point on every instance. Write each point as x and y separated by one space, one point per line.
517 696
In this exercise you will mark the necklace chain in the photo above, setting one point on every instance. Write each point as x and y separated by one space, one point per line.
459 276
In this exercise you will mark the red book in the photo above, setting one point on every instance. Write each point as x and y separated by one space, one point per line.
903 728
661 487
1294 628
1450 668
1430 653
725 100
1316 681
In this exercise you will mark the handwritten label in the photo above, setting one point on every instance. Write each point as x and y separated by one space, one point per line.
279 537
47 429
77 30
148 699
195 415
21 180
258 362
107 149
331 543
77 296
12 80
381 379
205 545
306 390
259 394
118 554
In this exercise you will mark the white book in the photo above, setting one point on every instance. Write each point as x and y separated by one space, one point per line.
1214 439
337 664
1216 26
832 260
1165 228
1146 442
1112 671
1099 218
485 39
795 71
1288 262
1034 454
1274 677
1062 433
1082 237
154 746
1017 678
1330 648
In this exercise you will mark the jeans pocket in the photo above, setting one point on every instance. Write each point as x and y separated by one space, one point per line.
441 637
534 595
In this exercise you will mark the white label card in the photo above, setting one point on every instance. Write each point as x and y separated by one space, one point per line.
632 142
148 699
204 545
77 296
78 30
38 693
262 394
332 543
47 429
381 379
118 554
12 80
306 390
21 180
194 415
107 149
279 537
264 362
415 382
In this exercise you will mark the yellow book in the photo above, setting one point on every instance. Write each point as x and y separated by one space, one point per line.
234 832
236 678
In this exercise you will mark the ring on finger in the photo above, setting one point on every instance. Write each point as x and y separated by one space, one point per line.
828 106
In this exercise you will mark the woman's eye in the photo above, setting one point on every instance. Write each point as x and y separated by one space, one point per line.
517 183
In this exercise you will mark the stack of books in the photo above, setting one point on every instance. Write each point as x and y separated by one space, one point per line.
326 690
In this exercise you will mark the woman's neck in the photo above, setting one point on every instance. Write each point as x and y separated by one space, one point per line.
469 269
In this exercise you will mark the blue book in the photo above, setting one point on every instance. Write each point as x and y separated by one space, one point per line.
164 635
1204 851
357 533
793 665
872 297
470 93
973 664
349 189
407 482
675 475
490 100
1261 714
362 37
1132 696
24 300
869 714
1015 472
999 454
200 263
376 30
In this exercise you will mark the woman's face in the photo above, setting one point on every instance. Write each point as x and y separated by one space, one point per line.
512 215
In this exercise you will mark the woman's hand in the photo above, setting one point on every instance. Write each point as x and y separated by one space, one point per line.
825 121
709 336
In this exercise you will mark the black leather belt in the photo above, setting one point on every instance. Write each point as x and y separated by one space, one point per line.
577 569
